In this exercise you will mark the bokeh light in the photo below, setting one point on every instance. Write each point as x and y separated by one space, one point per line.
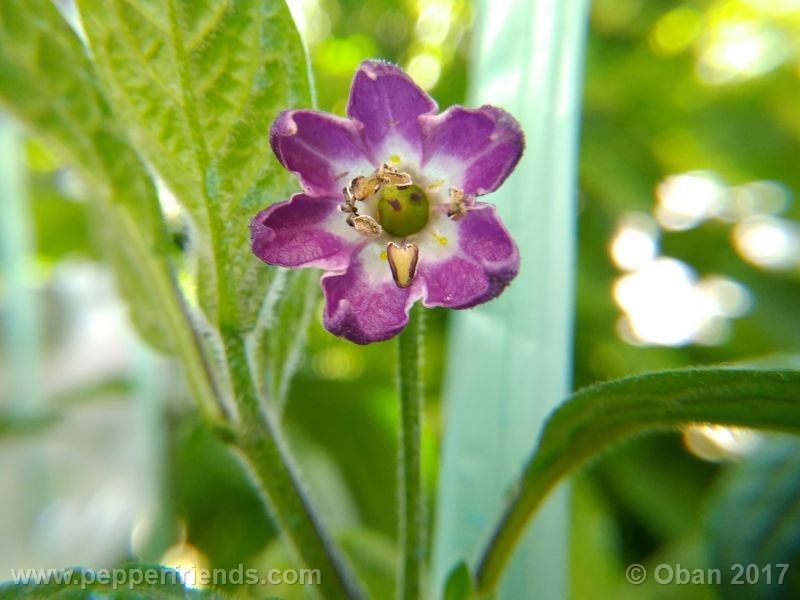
768 242
425 69
754 198
685 200
737 50
338 362
665 304
635 241
716 443
190 562
433 24
676 30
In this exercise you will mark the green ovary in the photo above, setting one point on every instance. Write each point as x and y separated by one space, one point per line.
403 212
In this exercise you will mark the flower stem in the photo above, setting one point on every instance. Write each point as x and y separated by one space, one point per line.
412 536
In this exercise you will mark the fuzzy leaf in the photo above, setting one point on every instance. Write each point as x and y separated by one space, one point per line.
597 417
48 82
198 83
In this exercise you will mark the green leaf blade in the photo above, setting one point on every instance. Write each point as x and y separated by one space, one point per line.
459 583
49 83
46 79
597 417
198 84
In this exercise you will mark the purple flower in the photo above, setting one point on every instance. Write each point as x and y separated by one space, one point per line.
388 204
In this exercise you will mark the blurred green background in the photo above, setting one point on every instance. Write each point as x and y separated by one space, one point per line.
689 253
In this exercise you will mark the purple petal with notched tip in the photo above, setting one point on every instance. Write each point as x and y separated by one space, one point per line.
388 103
487 262
323 150
364 306
485 144
303 232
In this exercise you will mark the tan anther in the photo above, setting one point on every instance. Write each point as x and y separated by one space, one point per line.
456 210
388 174
403 263
349 207
366 225
361 187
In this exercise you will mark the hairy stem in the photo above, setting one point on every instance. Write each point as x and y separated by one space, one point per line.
258 444
412 537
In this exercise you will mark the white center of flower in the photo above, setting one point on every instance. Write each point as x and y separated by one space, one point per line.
399 210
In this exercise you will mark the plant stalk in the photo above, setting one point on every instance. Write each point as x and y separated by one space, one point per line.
412 527
257 442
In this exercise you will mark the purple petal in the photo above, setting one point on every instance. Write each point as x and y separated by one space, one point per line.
388 103
486 263
454 282
323 150
363 304
477 148
303 232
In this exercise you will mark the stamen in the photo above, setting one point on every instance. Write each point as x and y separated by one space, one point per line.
361 188
457 208
348 207
440 238
388 174
366 225
403 263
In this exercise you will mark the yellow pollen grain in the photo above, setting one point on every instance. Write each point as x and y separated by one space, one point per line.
436 185
441 239
394 158
384 256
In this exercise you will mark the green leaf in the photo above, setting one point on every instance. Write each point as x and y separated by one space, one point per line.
61 223
46 79
599 416
198 83
13 423
128 582
459 583
593 543
754 519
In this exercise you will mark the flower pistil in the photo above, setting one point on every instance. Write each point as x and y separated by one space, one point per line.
396 208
